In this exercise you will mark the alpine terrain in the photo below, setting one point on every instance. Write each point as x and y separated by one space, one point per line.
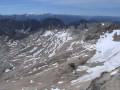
56 54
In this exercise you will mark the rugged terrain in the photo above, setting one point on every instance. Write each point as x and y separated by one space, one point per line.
86 58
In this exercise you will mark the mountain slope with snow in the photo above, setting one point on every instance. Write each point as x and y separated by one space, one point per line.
57 60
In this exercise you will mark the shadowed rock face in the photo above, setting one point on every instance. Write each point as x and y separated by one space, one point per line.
116 37
18 29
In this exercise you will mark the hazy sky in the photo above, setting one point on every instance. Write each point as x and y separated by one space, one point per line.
75 7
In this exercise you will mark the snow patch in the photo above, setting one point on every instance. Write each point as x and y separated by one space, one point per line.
55 89
82 68
114 72
55 65
102 24
31 81
106 47
7 70
60 82
35 48
48 33
108 52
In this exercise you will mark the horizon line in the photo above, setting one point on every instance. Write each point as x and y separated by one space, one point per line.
59 14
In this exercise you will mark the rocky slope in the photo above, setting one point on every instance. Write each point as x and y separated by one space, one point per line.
61 60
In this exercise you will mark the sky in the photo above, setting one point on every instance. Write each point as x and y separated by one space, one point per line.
74 7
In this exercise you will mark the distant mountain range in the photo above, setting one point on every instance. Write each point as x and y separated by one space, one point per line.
65 18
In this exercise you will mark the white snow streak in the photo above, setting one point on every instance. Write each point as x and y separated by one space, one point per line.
48 33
